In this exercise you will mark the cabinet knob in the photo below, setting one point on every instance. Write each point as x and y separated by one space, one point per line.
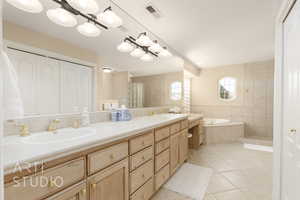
143 175
111 156
83 191
143 158
51 184
143 143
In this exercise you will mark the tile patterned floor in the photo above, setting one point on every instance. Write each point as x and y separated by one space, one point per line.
239 174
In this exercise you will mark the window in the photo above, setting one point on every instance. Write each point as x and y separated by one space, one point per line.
176 91
227 89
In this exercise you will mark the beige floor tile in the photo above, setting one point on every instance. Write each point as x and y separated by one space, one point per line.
209 197
219 183
165 194
230 195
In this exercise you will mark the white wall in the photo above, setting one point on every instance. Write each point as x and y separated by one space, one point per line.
1 114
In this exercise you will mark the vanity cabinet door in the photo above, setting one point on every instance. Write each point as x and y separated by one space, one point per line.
183 146
174 152
110 183
77 192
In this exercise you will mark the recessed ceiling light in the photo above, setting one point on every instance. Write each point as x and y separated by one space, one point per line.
125 47
86 6
107 70
89 29
110 19
62 17
32 6
137 53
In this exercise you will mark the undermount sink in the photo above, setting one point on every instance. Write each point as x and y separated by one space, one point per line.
61 135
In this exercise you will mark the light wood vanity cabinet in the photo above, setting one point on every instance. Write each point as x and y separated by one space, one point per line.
48 182
110 183
134 168
77 192
174 152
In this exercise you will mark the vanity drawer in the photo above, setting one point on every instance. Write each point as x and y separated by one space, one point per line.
141 175
162 145
175 128
141 142
145 192
162 176
77 192
162 159
140 158
184 124
46 183
103 158
162 133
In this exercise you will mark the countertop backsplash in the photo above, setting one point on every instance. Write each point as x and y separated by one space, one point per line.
41 123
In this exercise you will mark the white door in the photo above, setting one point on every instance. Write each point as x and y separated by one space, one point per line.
25 65
70 85
48 86
291 107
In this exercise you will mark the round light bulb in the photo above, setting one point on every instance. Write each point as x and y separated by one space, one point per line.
147 57
125 47
164 53
32 6
155 47
137 53
144 40
110 19
86 6
62 17
89 29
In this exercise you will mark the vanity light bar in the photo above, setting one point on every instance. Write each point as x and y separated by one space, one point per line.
90 17
145 48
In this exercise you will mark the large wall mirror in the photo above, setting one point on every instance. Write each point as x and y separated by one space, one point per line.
60 69
227 88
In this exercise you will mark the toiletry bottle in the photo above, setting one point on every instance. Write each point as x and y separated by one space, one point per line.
114 115
85 117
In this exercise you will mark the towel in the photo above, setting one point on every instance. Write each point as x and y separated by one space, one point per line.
13 104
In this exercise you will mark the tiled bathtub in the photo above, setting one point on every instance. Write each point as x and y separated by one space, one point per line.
222 131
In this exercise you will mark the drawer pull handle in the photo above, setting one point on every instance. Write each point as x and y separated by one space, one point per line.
51 184
83 191
143 143
143 175
143 158
94 185
111 156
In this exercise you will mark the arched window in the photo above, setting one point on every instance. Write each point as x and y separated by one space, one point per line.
176 91
227 89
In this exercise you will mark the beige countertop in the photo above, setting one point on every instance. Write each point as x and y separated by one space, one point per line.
23 150
195 116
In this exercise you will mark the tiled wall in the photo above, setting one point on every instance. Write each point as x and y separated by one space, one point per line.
254 104
41 123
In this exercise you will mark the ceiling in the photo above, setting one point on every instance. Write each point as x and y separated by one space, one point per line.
212 32
207 33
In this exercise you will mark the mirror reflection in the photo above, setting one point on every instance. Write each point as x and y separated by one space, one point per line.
69 62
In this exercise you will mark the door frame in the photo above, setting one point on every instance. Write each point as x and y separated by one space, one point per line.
284 11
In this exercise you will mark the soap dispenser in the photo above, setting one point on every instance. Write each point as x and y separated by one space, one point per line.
85 117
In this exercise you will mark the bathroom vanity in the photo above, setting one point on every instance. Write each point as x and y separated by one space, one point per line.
132 162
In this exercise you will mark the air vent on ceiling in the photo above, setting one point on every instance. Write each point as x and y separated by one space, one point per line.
153 11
